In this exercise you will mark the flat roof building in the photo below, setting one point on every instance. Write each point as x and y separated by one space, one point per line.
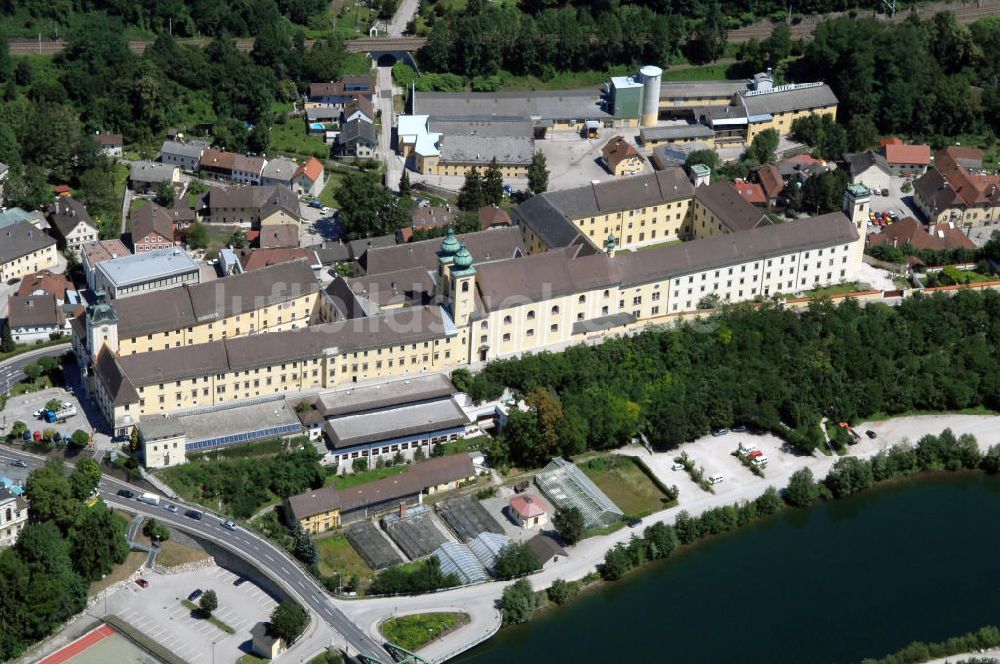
144 272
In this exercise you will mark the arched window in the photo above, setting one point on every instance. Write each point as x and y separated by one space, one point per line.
506 320
531 315
583 298
483 325
555 310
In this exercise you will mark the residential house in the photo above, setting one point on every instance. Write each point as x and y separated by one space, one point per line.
16 214
274 236
339 93
280 170
751 192
492 215
309 178
771 182
34 318
45 282
231 166
528 511
111 144
13 516
908 161
252 207
146 176
801 167
621 157
97 252
265 642
71 223
152 228
870 169
184 154
358 107
356 139
23 250
952 192
909 231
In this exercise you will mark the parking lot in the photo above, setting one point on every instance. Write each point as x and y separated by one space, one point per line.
23 407
157 612
896 201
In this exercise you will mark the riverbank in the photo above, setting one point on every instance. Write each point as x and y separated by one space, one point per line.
480 601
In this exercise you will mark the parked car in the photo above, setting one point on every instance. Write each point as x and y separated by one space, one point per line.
720 432
677 466
229 524
17 463
715 479
316 205
195 595
170 507
747 448
125 493
756 454
38 413
26 436
632 523
37 436
142 583
760 461
871 434
740 428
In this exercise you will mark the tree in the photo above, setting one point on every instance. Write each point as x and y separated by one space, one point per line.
763 146
709 158
538 174
662 540
288 620
50 497
52 404
197 236
18 429
6 340
165 194
471 196
569 524
404 183
802 489
85 478
238 240
98 542
514 560
617 561
779 45
493 184
33 372
79 439
707 42
559 592
208 602
518 602
824 192
367 208
849 475
156 531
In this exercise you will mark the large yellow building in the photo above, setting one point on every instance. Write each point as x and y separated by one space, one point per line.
446 308
25 249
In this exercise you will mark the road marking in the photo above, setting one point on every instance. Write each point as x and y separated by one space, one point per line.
268 556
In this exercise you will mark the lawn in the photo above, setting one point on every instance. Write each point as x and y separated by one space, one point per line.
337 555
133 561
839 289
659 244
173 554
333 180
413 632
713 72
625 483
354 479
290 138
564 80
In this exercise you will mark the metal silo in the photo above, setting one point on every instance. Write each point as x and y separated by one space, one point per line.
650 77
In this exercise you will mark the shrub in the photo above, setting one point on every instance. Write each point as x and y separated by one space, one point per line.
559 592
802 489
518 602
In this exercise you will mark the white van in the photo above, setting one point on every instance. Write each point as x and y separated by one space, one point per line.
747 448
715 479
760 461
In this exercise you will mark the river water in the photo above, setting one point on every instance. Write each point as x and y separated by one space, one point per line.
855 578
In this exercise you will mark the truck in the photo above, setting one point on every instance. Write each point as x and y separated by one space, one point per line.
59 415
149 499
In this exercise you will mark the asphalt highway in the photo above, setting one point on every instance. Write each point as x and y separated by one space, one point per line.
264 556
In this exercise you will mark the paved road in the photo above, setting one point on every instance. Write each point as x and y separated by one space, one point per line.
404 14
266 557
12 370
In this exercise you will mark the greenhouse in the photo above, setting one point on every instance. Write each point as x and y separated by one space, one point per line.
566 486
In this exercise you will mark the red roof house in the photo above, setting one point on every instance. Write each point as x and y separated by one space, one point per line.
528 510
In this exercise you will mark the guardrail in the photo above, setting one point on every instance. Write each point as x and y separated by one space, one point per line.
493 629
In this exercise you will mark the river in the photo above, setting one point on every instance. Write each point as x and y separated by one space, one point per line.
855 578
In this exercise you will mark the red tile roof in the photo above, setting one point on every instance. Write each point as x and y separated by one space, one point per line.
908 154
312 169
750 191
108 139
265 257
46 282
491 215
770 179
527 506
912 232
618 150
889 140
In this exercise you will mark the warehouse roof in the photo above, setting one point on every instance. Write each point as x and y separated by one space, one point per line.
675 132
406 420
537 104
147 266
700 89
20 239
507 150
788 98
189 149
476 126
151 172
357 400
419 476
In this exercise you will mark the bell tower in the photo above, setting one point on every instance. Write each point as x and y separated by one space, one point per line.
102 325
463 288
856 200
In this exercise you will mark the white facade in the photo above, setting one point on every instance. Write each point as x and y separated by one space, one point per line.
13 517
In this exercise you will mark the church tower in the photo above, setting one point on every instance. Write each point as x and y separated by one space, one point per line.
102 326
856 200
446 257
463 288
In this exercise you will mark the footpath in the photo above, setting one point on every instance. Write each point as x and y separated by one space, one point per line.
481 601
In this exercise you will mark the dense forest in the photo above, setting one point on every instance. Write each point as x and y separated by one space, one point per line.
65 546
767 367
182 17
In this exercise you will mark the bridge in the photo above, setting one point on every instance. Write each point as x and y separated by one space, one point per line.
399 655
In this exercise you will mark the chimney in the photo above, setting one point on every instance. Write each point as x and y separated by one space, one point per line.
402 509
